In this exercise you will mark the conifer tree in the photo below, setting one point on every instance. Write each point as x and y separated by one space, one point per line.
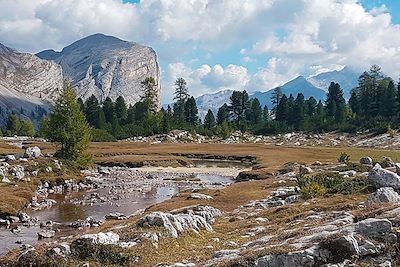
69 128
27 128
209 120
120 109
223 114
108 109
191 111
150 93
13 125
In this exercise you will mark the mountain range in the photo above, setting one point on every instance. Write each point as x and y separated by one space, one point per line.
316 86
101 65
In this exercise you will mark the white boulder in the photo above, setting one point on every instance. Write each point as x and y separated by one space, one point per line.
380 177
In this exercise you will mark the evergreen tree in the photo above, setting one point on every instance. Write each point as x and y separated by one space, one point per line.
108 109
239 103
91 110
120 109
150 93
181 91
223 114
266 114
101 120
354 102
69 128
390 101
298 112
282 110
209 120
335 102
276 98
27 128
255 112
13 125
81 104
191 111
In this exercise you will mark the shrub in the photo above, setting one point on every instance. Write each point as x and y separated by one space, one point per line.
101 135
312 190
332 183
391 132
344 158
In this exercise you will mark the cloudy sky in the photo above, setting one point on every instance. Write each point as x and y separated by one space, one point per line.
219 44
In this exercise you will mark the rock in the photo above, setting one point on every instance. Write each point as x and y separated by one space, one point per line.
116 216
388 162
367 248
104 170
19 172
62 250
292 259
129 244
341 248
374 227
286 191
112 68
10 158
195 219
32 152
350 173
305 170
49 169
398 168
226 254
383 195
108 238
199 196
4 222
380 177
366 161
46 234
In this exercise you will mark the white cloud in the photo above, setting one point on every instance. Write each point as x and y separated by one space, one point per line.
293 35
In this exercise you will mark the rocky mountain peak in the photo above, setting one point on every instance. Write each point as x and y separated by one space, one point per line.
106 66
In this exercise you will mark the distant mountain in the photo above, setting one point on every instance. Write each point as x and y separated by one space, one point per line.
298 85
347 78
106 66
28 84
315 86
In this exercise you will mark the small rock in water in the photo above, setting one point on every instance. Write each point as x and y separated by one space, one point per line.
46 234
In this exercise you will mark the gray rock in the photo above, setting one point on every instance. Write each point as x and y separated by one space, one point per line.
62 250
199 196
374 227
116 216
46 234
366 161
10 158
19 172
33 152
195 219
388 162
383 195
398 168
108 238
292 259
380 177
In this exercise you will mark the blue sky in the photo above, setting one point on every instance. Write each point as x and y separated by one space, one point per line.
221 44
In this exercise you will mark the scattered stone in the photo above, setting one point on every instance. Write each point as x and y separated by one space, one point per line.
108 238
200 196
388 162
195 218
374 227
62 250
292 259
116 216
32 152
10 158
366 161
305 170
49 169
383 195
380 177
46 234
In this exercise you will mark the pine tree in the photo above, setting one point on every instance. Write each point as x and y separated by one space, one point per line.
223 114
69 128
120 109
239 103
209 120
108 109
81 104
282 110
27 128
181 93
276 98
255 114
266 114
91 110
191 111
150 93
354 102
335 102
298 112
13 125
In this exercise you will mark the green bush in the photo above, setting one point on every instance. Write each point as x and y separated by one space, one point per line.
358 167
330 183
100 135
105 254
344 158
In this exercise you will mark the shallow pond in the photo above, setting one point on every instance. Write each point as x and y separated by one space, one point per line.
126 191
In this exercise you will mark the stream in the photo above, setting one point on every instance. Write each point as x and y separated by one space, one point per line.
123 190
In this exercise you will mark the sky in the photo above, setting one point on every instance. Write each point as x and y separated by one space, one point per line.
252 45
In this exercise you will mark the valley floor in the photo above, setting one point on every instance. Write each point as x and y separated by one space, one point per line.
259 221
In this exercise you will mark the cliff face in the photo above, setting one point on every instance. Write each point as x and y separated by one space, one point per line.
27 82
106 66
